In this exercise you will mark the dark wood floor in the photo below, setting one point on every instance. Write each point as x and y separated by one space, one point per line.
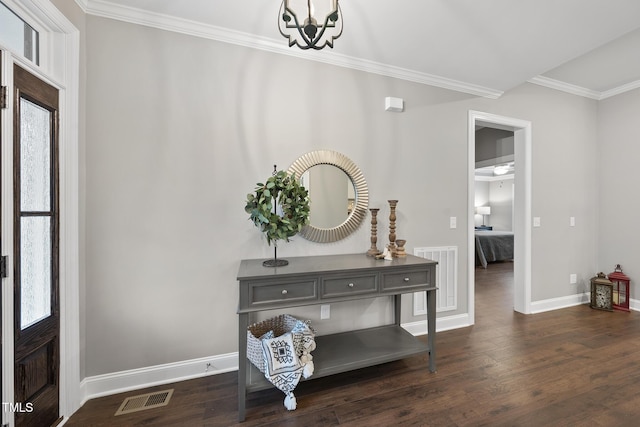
570 367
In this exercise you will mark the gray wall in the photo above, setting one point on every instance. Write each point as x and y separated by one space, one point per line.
179 130
619 151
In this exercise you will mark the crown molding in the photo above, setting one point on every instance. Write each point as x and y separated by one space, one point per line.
566 87
106 9
83 4
620 89
581 91
133 15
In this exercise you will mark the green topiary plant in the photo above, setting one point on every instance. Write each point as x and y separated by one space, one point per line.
279 207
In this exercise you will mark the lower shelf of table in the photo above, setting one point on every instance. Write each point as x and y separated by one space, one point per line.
351 350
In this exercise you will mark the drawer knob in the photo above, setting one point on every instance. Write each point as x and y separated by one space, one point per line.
284 292
406 279
351 285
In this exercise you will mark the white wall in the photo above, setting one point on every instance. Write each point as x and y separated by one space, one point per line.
482 196
501 201
179 130
498 194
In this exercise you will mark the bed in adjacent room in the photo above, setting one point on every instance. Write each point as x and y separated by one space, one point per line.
492 246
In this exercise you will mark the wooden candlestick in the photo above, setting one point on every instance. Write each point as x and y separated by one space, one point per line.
400 252
373 251
392 226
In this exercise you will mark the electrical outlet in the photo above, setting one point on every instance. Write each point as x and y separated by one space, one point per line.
325 312
573 279
453 222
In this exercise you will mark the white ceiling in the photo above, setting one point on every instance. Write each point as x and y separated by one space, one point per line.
483 47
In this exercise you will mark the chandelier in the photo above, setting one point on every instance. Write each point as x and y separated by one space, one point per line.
309 25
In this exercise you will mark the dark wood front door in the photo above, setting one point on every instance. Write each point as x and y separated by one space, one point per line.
36 288
3 94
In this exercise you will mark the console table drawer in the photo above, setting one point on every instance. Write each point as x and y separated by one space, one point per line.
344 286
282 293
405 280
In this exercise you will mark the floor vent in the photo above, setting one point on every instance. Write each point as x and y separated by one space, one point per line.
144 401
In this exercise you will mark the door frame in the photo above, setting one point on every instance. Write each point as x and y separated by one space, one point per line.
60 67
522 206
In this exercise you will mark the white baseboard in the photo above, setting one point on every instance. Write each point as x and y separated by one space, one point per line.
135 379
416 328
558 303
119 382
444 323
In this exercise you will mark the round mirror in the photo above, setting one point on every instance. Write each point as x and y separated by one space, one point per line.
338 195
331 193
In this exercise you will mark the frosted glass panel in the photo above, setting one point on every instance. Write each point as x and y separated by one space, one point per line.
35 157
35 269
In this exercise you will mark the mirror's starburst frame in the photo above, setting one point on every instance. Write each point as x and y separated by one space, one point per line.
353 221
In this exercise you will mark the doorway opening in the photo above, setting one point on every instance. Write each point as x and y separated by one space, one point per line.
521 219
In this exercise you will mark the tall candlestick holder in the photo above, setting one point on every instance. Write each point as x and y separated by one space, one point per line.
373 251
392 226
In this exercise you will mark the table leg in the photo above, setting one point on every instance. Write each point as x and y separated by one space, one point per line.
431 328
243 324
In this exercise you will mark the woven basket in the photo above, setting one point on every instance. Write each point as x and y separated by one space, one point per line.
280 325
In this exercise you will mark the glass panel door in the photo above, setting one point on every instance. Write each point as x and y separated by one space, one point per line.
36 242
35 270
35 209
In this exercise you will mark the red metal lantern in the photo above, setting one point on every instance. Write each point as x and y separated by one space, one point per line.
620 289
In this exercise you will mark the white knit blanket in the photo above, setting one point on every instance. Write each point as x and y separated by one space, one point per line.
288 358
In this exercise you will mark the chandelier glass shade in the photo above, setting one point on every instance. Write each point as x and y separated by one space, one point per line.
310 24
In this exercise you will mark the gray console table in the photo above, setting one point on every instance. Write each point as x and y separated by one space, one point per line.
327 279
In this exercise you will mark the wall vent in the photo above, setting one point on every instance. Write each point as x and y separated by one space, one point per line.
145 401
446 279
